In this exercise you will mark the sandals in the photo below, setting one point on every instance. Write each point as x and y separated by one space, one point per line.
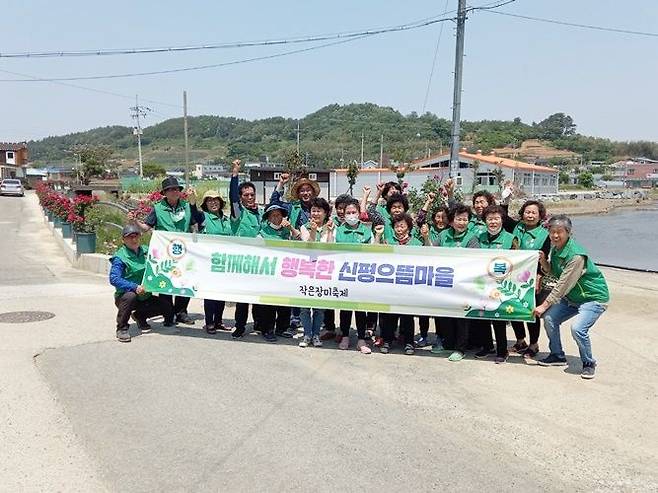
519 347
530 353
363 347
210 329
344 342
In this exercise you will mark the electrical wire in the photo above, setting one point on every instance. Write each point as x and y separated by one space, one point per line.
574 24
236 44
436 53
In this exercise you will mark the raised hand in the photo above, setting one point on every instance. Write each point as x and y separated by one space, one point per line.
313 225
379 229
366 190
191 195
330 225
236 167
284 178
285 223
425 231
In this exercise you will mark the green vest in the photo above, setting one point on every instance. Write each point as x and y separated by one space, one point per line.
269 233
295 212
135 265
530 239
449 238
591 286
503 241
248 224
412 242
477 225
434 234
216 225
177 218
319 232
360 234
389 234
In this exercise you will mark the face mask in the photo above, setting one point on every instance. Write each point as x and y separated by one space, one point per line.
275 226
352 219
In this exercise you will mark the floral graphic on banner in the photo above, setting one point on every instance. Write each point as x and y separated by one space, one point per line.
500 295
165 275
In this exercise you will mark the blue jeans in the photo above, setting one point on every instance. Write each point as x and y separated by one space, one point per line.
311 324
586 315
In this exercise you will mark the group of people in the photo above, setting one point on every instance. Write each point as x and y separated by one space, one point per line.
578 290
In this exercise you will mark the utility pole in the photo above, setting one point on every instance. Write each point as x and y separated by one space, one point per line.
457 95
187 147
298 137
137 112
361 147
381 150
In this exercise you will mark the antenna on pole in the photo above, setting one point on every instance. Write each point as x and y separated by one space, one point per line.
137 112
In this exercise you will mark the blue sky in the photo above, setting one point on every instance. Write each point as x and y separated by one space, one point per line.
513 67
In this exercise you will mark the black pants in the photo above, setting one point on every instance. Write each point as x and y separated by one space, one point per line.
533 327
214 311
480 334
273 318
500 331
371 320
389 324
153 306
330 320
346 322
424 326
242 313
178 304
455 332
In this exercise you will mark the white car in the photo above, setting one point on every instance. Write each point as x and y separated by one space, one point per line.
11 186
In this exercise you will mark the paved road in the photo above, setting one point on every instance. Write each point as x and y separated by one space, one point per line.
182 411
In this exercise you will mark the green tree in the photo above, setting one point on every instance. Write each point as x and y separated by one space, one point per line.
556 126
352 173
586 179
95 160
153 170
564 177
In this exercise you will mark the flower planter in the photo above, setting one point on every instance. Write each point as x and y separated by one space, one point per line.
49 215
57 221
85 242
67 230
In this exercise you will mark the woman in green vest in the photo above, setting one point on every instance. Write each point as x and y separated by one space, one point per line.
495 238
126 274
353 231
402 225
455 330
172 213
428 230
275 320
531 235
581 292
215 222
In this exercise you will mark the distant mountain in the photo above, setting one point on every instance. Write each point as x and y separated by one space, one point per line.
329 135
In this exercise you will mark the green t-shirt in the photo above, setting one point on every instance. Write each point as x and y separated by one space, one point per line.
359 234
216 225
269 233
248 224
591 286
451 239
503 241
477 225
530 239
176 218
135 265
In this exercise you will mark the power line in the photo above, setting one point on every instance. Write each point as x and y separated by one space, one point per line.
34 78
574 24
235 44
436 52
187 69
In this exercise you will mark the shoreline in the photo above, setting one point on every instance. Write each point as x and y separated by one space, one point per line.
593 207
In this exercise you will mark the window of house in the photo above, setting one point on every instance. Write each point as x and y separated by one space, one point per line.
277 175
459 181
486 179
527 177
631 171
312 176
10 155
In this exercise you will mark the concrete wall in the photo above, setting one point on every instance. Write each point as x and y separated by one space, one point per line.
90 262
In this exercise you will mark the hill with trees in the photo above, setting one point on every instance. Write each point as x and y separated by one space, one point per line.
329 138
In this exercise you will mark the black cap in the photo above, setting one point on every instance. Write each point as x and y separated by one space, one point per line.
130 229
170 182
